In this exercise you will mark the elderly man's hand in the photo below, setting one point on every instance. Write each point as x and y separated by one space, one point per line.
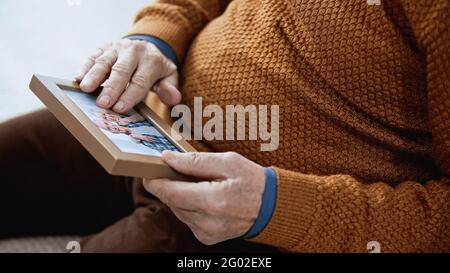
224 205
131 69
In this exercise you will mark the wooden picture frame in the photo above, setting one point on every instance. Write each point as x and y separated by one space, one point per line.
53 93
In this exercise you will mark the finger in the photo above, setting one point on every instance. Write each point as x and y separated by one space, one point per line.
148 72
88 65
99 71
118 80
204 165
167 89
179 194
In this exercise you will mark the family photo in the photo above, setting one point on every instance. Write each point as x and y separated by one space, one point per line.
130 132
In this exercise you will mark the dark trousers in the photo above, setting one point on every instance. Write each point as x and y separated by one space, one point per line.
50 185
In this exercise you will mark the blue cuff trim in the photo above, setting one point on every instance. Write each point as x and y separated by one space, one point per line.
269 201
164 47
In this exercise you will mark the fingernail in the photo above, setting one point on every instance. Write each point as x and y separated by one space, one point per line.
104 101
120 106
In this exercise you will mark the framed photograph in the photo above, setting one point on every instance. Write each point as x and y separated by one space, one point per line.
128 144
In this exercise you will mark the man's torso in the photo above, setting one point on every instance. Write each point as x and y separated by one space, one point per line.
350 84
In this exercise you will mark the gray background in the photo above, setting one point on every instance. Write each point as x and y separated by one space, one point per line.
53 37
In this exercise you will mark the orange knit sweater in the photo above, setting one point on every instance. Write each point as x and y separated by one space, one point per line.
364 96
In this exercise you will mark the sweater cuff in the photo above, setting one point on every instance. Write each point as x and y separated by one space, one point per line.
294 212
173 34
269 200
165 48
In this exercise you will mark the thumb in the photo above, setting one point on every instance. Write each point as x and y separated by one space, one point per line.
201 165
167 89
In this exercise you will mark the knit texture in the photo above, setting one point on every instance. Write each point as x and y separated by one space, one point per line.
364 98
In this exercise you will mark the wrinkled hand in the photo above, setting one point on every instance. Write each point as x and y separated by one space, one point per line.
224 205
131 69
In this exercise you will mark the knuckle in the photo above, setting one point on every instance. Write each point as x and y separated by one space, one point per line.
195 159
139 80
108 87
104 61
121 68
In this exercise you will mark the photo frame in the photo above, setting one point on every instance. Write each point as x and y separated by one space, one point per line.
124 144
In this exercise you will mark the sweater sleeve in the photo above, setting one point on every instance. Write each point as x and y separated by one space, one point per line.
177 22
339 213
